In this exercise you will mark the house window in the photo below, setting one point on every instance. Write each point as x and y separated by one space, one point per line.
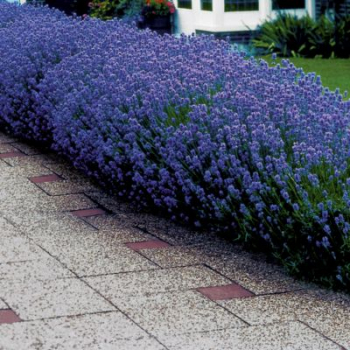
184 4
241 5
207 5
288 4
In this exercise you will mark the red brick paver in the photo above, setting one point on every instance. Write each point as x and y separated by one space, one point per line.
45 178
155 244
88 212
11 155
8 316
229 291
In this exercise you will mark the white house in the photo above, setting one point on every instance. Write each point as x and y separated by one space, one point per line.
227 16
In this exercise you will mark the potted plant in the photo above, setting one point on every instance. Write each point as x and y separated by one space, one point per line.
156 15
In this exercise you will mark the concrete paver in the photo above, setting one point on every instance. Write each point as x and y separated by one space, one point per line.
101 331
120 288
64 187
7 230
88 283
3 305
19 249
51 298
42 269
180 312
285 336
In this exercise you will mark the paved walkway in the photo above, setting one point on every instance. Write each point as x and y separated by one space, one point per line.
80 270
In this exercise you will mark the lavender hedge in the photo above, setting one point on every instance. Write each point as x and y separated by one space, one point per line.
190 127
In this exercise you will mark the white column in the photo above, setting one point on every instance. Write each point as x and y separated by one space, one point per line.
311 8
218 12
265 9
196 5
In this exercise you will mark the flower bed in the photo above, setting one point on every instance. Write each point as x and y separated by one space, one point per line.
190 127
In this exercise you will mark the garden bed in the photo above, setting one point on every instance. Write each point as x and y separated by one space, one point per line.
189 127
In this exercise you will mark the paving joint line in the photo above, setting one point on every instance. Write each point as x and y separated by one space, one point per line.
66 316
137 271
230 279
283 292
125 314
13 144
145 257
221 306
156 236
323 335
105 298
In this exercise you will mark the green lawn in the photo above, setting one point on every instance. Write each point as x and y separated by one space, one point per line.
334 72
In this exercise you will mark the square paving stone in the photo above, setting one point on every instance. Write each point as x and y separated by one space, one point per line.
110 222
42 299
29 162
6 138
3 165
25 167
122 287
41 226
112 203
19 249
7 230
27 149
178 235
268 308
55 231
180 312
64 187
330 318
117 231
329 313
8 316
43 269
3 305
88 259
42 203
7 148
257 277
102 331
137 220
68 171
177 256
283 336
65 203
230 291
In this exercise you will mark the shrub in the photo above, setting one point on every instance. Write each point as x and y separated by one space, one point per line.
287 35
106 9
290 36
342 37
190 127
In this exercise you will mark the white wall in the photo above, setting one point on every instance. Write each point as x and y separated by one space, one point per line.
188 21
20 1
